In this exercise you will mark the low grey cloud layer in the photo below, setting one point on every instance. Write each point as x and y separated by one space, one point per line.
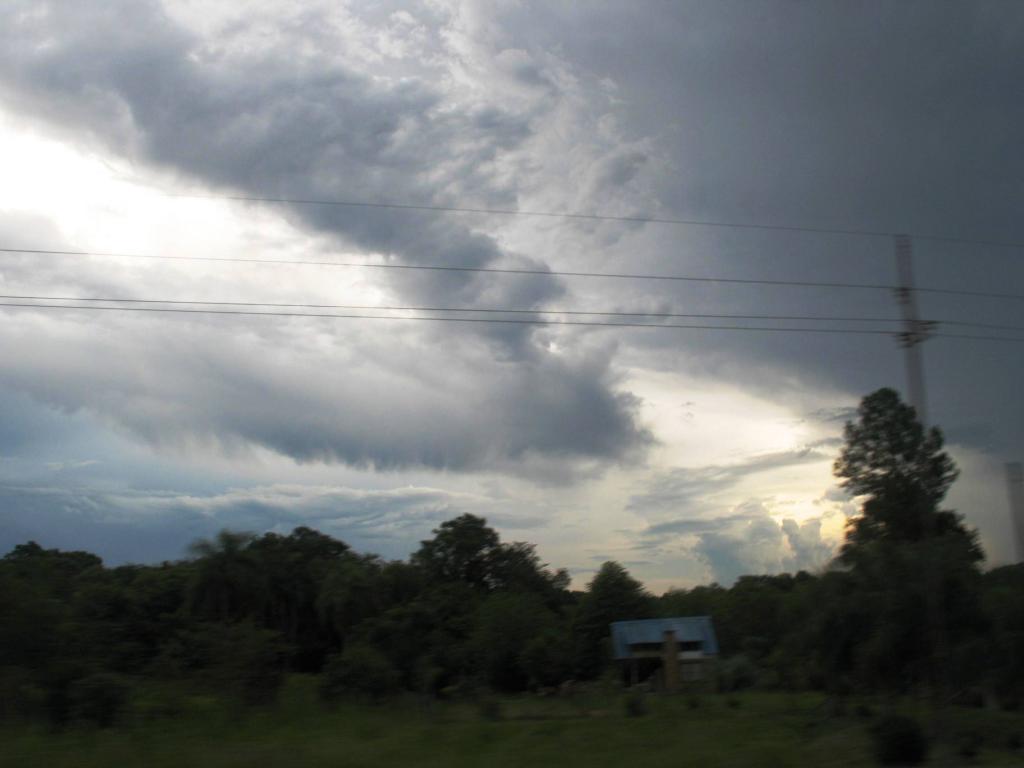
123 525
487 414
685 490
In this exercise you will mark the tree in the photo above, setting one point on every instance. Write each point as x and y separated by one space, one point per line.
613 595
461 550
912 568
294 569
505 625
516 567
228 583
358 671
903 474
348 595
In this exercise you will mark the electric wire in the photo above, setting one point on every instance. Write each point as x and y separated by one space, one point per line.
507 321
570 215
515 271
491 310
509 311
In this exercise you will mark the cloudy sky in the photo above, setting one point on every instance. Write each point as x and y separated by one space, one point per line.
137 127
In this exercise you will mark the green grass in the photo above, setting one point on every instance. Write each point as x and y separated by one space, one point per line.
764 730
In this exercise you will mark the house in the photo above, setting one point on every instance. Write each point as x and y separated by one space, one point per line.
675 650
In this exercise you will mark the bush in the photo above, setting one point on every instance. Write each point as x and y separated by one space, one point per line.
636 705
547 659
489 709
358 671
864 711
251 663
1014 742
151 703
99 698
968 746
241 659
20 697
899 740
736 673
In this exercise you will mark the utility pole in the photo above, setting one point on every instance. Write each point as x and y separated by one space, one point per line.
915 330
1015 480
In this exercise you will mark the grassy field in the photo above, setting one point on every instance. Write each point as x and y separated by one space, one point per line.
752 729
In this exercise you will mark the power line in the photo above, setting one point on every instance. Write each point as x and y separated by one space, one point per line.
446 268
591 323
531 213
975 337
989 326
515 271
493 310
600 217
510 311
594 323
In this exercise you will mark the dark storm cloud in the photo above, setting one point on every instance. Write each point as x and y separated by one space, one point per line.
126 76
773 105
898 117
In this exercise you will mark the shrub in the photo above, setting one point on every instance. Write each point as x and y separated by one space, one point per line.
489 708
20 697
636 705
241 659
1014 742
968 746
99 698
151 703
864 711
547 659
736 673
899 740
251 663
359 670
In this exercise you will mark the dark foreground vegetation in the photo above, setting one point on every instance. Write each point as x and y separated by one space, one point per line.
590 727
112 662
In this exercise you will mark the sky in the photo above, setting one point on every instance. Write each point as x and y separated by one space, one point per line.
146 128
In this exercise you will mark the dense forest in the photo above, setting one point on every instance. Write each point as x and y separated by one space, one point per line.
906 607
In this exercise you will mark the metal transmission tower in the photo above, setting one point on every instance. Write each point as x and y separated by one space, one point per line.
915 330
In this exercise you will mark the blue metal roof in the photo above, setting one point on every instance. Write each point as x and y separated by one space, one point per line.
688 629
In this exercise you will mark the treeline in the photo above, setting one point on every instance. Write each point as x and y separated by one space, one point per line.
466 610
905 607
